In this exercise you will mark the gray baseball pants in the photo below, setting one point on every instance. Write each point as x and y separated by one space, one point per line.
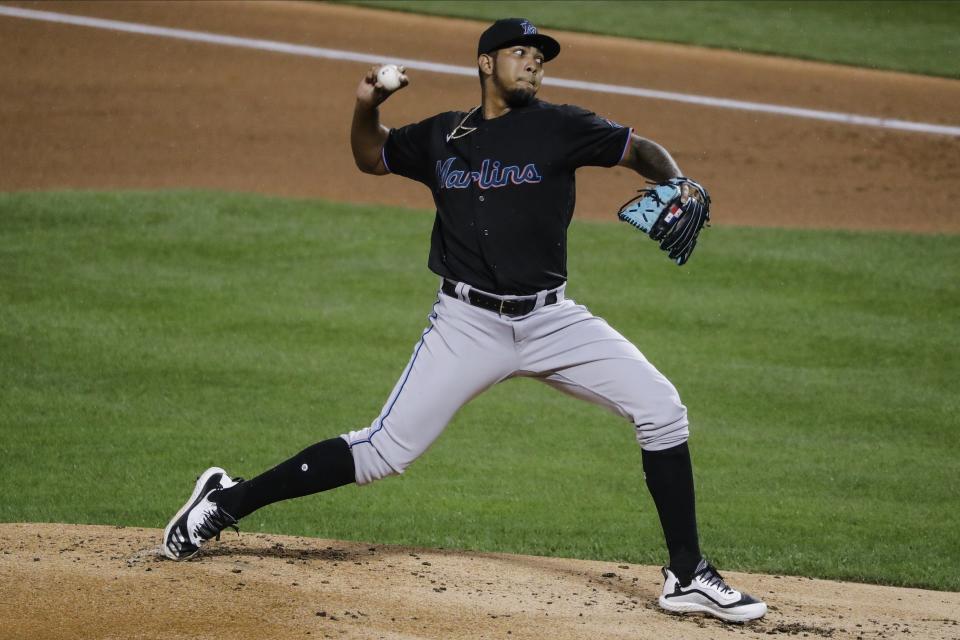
466 350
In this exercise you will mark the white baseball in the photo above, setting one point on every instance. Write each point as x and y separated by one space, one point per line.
389 77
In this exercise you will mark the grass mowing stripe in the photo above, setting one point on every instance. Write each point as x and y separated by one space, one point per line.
145 336
916 37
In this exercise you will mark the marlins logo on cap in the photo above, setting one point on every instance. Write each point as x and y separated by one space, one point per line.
509 31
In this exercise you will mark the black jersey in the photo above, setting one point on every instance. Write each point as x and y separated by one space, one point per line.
504 188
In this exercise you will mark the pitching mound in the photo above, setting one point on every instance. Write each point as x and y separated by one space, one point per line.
67 581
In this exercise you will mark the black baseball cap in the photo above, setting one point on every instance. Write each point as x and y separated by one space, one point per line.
508 31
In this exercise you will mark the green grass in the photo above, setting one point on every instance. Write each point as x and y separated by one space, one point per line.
145 336
917 37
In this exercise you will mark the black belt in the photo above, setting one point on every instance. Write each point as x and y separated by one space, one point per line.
492 303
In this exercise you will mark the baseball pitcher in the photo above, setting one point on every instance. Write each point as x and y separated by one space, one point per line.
502 178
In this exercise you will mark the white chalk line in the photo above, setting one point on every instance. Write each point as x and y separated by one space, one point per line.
434 67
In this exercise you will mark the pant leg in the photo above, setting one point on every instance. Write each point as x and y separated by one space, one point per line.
463 351
580 354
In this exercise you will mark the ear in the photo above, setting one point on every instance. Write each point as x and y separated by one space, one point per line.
485 64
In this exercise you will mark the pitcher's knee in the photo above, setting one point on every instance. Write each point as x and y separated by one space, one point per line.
668 427
369 464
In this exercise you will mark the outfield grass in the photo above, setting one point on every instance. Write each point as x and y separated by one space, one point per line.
917 37
146 336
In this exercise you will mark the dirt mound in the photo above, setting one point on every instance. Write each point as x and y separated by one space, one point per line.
81 581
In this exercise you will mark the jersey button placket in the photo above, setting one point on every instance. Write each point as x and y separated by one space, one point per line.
479 214
477 209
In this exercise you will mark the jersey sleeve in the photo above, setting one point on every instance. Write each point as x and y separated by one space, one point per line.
407 150
592 141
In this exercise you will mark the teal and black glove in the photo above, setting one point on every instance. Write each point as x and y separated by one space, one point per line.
671 212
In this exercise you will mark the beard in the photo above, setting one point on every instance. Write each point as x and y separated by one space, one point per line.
519 97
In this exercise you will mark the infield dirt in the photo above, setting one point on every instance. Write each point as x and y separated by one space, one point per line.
90 108
68 581
86 108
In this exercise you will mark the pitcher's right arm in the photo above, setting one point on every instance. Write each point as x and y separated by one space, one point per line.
367 135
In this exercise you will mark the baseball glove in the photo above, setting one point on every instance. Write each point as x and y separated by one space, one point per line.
659 212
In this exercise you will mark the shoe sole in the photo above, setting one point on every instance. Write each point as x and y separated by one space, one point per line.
201 481
746 613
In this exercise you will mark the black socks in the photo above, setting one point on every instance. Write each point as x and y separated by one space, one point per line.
329 464
324 465
669 476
